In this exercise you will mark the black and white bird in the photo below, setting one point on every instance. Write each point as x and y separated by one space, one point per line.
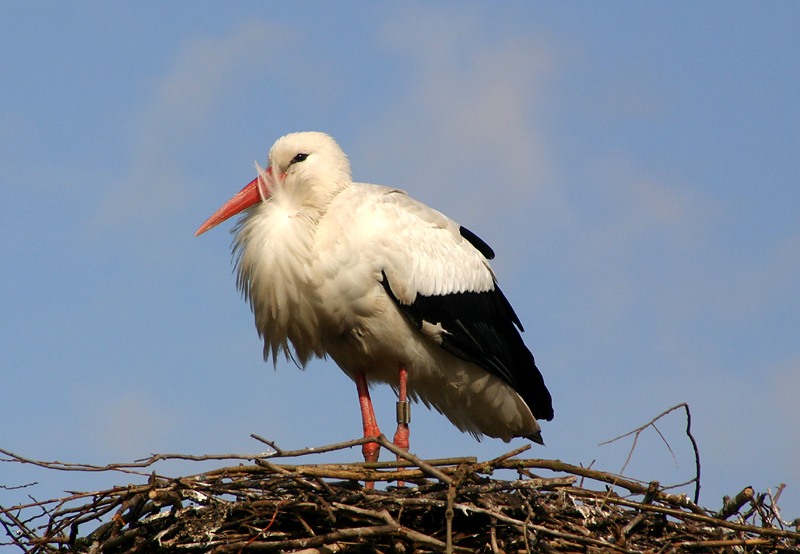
394 291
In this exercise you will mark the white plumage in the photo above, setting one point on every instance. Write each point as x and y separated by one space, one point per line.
376 280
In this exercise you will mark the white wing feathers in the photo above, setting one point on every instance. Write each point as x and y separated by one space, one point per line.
420 249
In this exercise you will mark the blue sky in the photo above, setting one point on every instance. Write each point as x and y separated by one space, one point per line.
635 166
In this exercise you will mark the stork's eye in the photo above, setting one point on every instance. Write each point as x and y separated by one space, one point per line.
299 158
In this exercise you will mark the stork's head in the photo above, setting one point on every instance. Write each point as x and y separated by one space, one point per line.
308 155
310 160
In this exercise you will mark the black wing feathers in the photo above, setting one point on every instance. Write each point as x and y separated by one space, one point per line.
476 241
480 328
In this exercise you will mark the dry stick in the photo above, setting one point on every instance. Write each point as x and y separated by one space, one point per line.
493 538
84 516
23 529
711 521
321 482
61 466
287 473
773 506
265 529
679 485
74 497
327 549
638 431
488 466
427 468
519 484
543 545
732 506
539 528
383 515
652 490
336 536
448 517
355 472
778 494
762 508
311 450
382 440
146 462
127 467
587 467
524 531
455 461
271 444
509 520
352 472
636 488
723 543
18 487
460 474
696 452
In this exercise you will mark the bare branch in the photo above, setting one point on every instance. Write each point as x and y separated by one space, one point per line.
636 432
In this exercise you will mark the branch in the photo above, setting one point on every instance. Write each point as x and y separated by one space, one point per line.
636 432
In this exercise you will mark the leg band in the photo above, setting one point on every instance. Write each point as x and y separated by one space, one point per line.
404 412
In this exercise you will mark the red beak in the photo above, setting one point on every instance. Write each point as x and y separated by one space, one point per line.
243 199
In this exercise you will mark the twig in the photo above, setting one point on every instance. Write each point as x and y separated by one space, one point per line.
279 453
127 467
732 506
290 474
488 466
723 543
652 490
636 432
427 468
271 444
612 479
707 519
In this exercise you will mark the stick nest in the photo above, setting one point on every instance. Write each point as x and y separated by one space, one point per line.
454 506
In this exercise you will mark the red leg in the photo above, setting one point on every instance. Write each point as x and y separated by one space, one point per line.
371 450
403 414
403 411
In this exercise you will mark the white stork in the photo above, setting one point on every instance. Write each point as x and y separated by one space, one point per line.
392 290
